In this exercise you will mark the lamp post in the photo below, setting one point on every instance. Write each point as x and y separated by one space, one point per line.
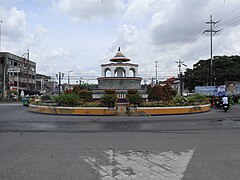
69 76
1 35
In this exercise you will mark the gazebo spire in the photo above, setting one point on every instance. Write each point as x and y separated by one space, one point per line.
119 57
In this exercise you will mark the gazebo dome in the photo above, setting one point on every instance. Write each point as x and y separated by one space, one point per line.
119 57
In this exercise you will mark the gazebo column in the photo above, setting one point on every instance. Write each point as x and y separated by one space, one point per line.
126 71
112 71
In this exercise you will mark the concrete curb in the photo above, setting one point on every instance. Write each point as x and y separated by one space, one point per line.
105 111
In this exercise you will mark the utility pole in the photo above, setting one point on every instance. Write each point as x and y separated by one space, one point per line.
69 76
156 66
211 31
28 70
60 77
180 63
27 66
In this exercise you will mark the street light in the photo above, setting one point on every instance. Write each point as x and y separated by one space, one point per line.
69 76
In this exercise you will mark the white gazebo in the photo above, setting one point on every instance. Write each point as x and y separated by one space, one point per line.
119 75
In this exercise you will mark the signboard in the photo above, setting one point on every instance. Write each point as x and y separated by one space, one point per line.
14 70
211 90
233 88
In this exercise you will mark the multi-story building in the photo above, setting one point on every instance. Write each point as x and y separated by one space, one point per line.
16 74
44 84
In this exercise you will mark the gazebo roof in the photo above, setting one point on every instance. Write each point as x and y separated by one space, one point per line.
119 57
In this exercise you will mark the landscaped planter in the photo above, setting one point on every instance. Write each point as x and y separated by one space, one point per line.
105 111
100 111
170 110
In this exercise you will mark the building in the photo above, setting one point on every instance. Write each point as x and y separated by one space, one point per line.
16 74
119 75
44 84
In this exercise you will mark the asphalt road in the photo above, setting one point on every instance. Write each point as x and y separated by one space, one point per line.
195 146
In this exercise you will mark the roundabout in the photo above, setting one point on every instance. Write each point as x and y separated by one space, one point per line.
105 111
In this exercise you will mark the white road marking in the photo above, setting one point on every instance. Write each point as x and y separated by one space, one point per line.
135 165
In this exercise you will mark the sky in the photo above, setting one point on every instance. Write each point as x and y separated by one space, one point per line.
80 35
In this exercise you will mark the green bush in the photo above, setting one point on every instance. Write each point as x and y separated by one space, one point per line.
46 98
197 99
86 96
134 99
132 91
71 100
108 100
180 100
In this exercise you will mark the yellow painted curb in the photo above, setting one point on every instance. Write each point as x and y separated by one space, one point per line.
105 111
172 110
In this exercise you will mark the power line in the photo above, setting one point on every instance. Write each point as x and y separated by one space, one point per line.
230 13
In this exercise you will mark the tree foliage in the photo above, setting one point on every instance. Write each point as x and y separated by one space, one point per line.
162 93
225 68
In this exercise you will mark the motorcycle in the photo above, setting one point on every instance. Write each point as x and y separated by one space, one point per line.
225 107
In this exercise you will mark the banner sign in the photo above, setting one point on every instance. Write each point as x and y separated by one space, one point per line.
233 87
211 90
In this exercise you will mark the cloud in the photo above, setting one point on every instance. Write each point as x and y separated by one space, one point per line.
35 39
90 9
153 30
14 23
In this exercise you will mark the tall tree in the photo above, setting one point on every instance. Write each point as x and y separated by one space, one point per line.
225 68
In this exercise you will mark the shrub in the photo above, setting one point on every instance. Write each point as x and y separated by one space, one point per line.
68 100
132 91
76 89
46 98
161 93
134 99
68 91
108 100
198 99
86 96
180 100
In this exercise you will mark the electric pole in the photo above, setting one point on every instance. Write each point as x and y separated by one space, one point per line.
60 77
211 31
180 63
156 66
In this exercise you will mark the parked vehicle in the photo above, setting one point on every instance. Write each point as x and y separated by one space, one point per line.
27 99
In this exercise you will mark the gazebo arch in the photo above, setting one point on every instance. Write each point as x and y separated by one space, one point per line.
120 72
132 72
107 72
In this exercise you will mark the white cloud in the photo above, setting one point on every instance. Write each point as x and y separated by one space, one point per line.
165 32
90 9
146 31
14 23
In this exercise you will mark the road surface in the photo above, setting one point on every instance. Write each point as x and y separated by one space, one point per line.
196 146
